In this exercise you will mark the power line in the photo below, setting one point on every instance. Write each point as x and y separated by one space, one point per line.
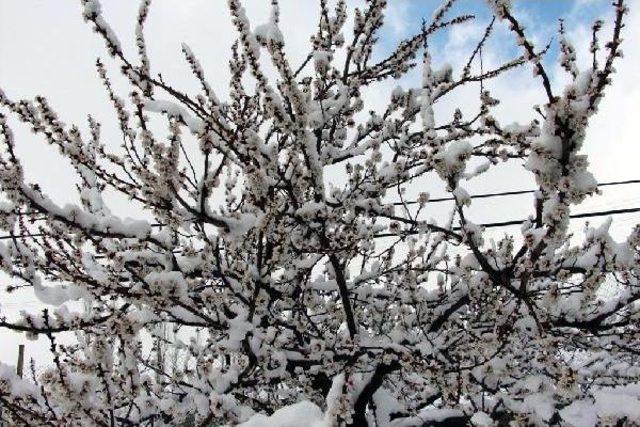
575 216
444 199
485 225
520 221
510 193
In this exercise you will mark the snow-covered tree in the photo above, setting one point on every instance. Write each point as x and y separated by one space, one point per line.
284 277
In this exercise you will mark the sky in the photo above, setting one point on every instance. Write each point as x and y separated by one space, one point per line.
47 49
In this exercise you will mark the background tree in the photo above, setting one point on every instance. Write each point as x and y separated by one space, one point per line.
311 297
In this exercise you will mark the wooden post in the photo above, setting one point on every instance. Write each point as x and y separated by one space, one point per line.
20 366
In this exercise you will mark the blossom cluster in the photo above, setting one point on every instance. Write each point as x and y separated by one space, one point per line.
265 292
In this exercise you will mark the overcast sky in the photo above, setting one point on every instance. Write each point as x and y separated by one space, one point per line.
47 49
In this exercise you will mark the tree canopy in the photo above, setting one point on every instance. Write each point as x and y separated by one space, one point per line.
285 277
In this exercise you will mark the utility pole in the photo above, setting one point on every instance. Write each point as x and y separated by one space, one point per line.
20 365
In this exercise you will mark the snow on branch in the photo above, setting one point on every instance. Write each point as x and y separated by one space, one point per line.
279 275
